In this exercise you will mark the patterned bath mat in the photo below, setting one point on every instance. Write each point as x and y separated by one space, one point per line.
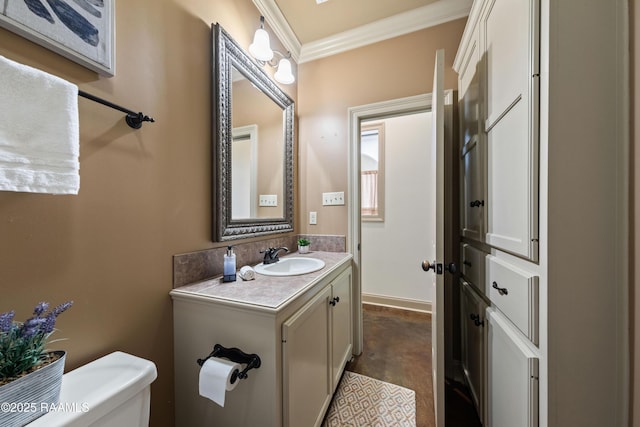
361 401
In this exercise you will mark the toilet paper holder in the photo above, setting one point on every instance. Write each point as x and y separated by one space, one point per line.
235 355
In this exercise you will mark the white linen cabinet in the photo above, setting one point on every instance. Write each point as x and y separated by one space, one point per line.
512 371
544 143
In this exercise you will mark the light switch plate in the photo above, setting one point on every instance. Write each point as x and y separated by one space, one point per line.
268 200
333 199
313 218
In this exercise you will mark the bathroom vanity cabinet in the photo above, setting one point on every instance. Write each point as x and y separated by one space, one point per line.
299 326
542 130
316 343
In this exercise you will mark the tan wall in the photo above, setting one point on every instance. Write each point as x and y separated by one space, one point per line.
144 195
392 69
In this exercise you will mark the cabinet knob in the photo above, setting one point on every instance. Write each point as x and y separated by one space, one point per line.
501 291
334 301
476 319
476 203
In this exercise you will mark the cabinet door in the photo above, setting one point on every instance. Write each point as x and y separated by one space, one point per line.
473 203
341 325
472 309
512 376
306 374
510 58
469 91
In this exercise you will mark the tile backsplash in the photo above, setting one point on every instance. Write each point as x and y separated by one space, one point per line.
192 267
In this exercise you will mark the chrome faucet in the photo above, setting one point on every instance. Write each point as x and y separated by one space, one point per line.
271 254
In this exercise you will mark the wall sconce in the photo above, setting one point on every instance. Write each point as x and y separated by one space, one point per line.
261 50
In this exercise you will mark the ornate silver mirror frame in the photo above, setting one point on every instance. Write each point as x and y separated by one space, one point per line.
228 55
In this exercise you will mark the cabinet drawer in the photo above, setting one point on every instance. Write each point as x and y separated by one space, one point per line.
473 266
512 376
515 293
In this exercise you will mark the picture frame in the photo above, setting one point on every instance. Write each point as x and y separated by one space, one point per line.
80 30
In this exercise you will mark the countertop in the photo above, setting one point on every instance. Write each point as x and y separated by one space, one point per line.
265 291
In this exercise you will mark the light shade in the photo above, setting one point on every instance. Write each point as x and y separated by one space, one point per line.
284 74
260 48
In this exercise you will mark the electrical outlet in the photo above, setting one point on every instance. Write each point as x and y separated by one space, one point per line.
313 218
333 199
270 200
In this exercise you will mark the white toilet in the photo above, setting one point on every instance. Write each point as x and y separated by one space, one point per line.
114 390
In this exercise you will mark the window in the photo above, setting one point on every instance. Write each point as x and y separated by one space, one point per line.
372 171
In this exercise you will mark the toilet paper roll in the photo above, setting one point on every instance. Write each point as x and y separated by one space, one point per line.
215 378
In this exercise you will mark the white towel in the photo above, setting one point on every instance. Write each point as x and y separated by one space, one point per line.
39 131
247 273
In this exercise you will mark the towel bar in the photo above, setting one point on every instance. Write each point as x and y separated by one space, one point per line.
133 119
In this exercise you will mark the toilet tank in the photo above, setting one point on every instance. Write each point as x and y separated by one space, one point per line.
114 390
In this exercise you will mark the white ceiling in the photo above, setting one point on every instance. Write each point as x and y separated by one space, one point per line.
311 31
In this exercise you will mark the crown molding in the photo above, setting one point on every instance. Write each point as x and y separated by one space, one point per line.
417 19
469 29
404 23
280 26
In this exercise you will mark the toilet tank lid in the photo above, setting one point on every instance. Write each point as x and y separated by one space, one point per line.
100 386
110 374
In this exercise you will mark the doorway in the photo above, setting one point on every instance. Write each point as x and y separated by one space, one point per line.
358 115
398 216
399 107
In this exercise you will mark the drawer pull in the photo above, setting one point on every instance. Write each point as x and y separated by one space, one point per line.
476 203
467 263
501 291
476 319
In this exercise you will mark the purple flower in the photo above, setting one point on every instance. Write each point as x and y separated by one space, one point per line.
28 332
6 321
61 308
40 308
49 323
31 327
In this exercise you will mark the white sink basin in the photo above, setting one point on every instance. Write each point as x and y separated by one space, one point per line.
290 266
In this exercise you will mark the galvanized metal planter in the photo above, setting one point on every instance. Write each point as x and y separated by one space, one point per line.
31 396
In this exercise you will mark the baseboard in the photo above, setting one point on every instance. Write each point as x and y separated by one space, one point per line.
395 302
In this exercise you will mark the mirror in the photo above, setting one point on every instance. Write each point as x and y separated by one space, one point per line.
252 146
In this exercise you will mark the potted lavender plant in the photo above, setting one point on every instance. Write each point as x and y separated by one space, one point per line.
30 374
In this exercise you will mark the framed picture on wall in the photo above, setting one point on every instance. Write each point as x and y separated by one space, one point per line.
80 30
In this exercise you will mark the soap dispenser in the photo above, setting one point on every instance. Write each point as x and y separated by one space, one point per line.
229 267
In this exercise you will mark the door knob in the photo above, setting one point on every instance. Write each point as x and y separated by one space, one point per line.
426 265
438 267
